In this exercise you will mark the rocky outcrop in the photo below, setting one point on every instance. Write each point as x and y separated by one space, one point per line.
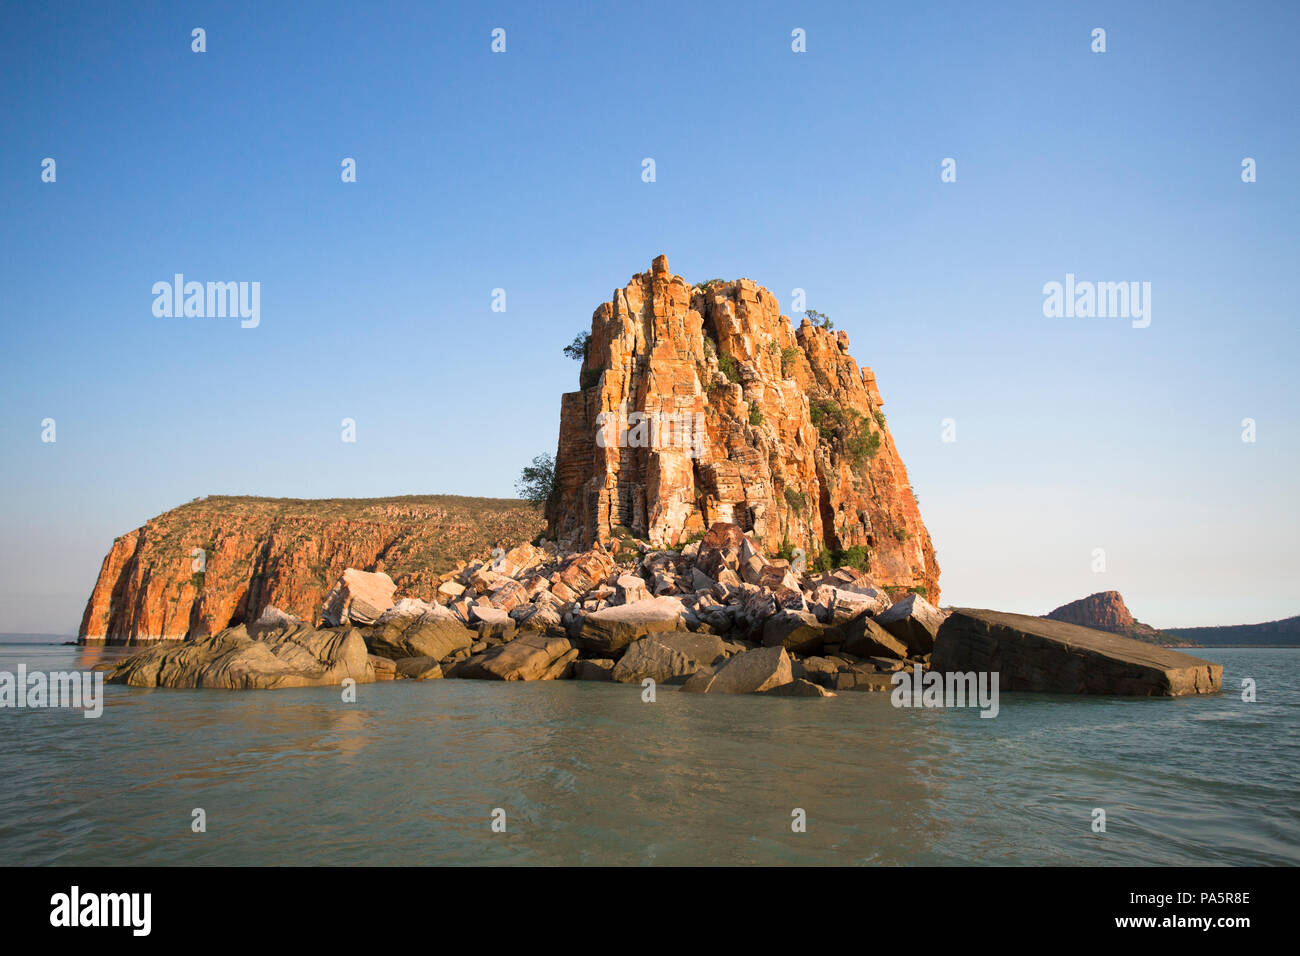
220 561
703 404
1037 654
1106 611
256 658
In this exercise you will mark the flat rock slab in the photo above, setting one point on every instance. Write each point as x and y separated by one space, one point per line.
1036 654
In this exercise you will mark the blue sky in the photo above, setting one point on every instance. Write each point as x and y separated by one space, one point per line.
522 171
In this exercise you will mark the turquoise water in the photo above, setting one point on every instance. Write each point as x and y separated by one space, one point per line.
588 774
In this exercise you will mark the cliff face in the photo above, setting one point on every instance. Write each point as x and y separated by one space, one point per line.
1106 611
286 552
704 404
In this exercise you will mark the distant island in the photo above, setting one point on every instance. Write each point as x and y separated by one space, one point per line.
1283 633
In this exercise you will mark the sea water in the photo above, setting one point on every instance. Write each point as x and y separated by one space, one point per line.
588 773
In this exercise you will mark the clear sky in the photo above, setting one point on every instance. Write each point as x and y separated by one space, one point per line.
817 170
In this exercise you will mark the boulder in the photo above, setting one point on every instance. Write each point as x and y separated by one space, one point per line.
751 672
600 669
437 633
668 658
864 637
384 668
914 621
538 617
799 632
859 677
418 668
530 656
294 656
1037 654
631 588
273 618
451 589
819 670
720 548
358 597
607 632
508 595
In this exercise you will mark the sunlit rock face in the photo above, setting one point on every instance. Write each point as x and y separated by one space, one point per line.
703 403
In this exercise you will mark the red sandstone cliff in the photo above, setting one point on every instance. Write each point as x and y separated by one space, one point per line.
793 445
1106 611
286 552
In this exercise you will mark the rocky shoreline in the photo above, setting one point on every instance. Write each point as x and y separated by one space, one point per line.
715 616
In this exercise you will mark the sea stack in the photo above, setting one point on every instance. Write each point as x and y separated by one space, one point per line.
703 403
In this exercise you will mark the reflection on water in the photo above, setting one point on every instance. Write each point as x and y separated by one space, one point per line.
587 773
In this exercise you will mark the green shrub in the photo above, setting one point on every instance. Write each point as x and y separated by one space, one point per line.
900 534
729 367
797 500
788 356
863 444
879 416
536 483
755 415
827 417
577 349
855 557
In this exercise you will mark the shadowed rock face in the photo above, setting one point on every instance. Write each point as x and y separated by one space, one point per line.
747 420
1036 654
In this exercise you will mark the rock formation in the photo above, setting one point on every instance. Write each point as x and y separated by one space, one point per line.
1106 611
1037 654
715 612
268 654
702 404
220 561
